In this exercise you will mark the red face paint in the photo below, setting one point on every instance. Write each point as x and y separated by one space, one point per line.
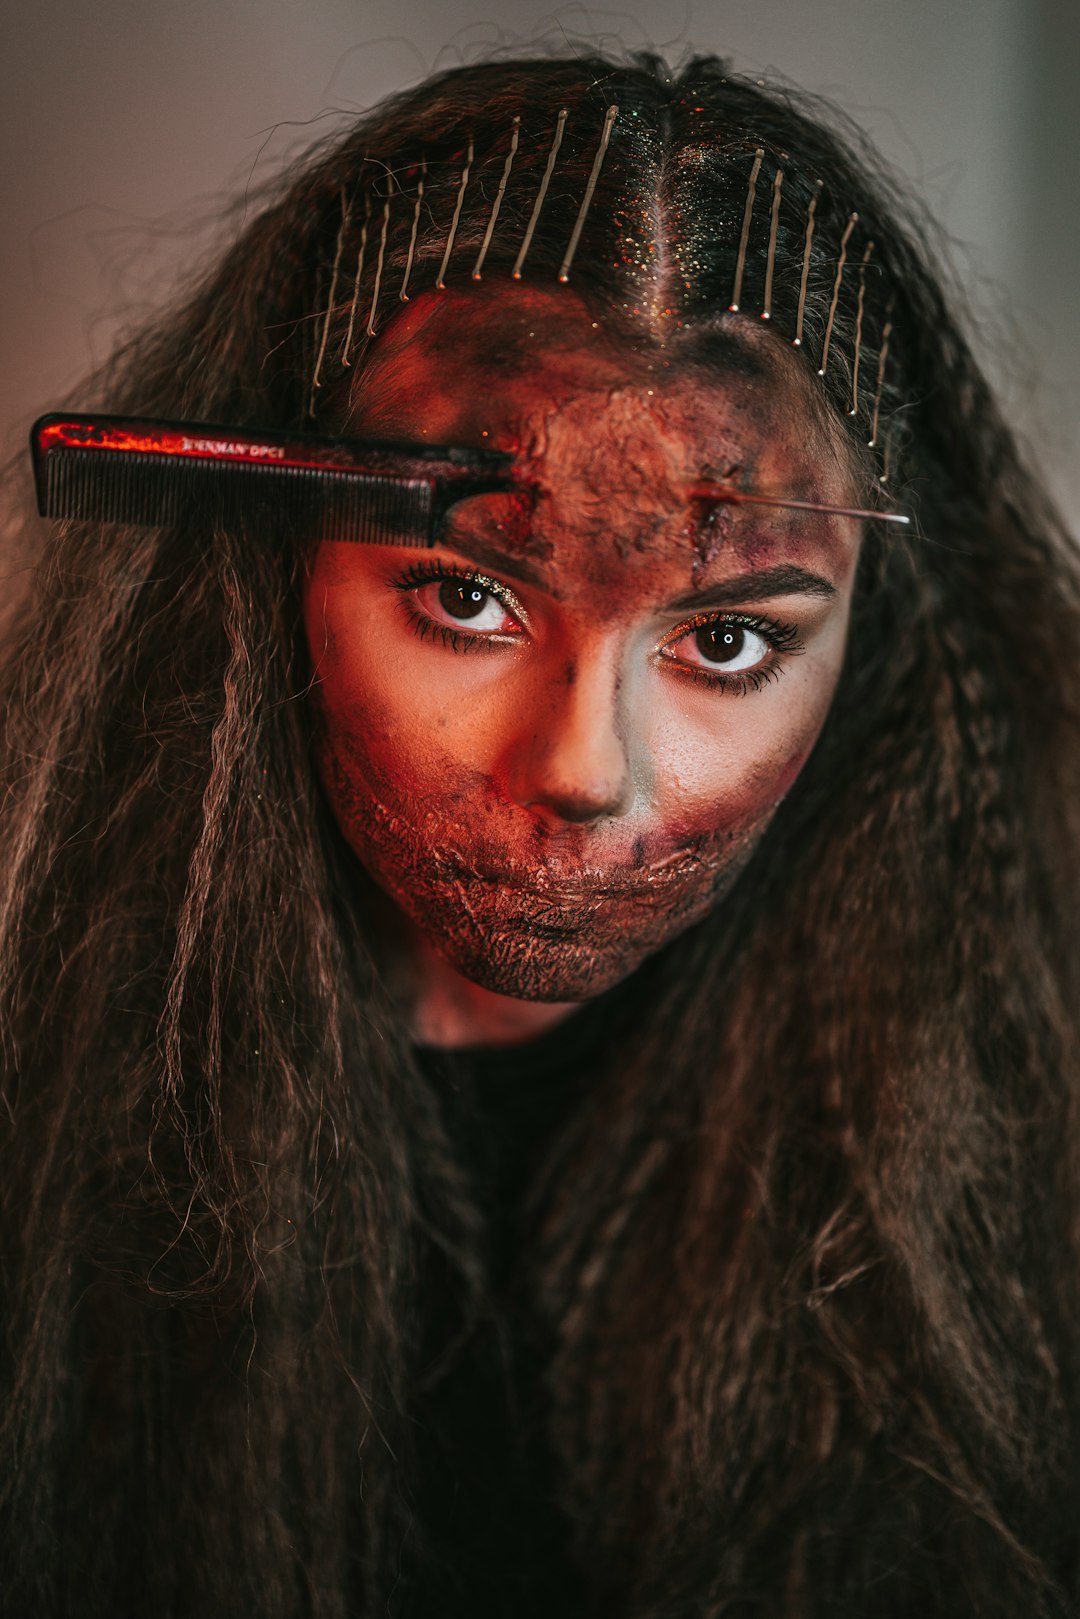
548 756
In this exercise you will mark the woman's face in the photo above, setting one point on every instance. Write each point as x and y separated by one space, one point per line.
555 738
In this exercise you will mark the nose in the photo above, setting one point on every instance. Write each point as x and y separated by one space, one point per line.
572 760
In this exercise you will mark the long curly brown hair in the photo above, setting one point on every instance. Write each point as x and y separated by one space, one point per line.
806 1258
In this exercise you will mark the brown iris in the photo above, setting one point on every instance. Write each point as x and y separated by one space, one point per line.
720 642
461 599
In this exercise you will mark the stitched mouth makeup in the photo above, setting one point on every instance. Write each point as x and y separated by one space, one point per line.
555 739
525 927
574 882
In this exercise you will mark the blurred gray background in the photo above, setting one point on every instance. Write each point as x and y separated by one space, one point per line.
123 123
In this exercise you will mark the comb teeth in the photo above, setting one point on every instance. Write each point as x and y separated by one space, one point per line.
124 487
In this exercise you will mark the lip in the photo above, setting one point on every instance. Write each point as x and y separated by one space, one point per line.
582 882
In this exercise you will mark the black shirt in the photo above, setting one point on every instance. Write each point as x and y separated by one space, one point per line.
495 1539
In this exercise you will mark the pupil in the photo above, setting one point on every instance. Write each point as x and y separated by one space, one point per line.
720 642
461 599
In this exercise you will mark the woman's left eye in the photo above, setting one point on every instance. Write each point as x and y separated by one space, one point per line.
724 645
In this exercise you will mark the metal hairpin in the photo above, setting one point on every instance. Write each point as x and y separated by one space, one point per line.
886 337
462 186
379 261
499 195
808 237
853 220
403 293
774 226
579 223
867 251
347 349
744 236
738 498
560 125
342 227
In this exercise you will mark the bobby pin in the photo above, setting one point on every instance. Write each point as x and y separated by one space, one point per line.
404 293
379 262
347 350
774 225
560 125
811 210
853 220
330 300
854 411
440 281
886 334
737 498
497 204
736 291
579 223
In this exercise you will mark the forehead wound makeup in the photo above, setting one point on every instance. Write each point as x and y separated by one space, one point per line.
533 201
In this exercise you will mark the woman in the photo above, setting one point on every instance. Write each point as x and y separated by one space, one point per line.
541 1069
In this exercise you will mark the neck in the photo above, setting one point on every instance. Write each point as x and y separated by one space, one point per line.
446 1009
449 1010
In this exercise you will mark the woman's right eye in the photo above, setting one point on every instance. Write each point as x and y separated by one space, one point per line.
458 606
467 603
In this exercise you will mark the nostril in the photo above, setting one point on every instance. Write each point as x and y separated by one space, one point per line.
574 810
583 799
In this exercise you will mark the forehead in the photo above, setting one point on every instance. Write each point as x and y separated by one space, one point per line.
612 434
494 363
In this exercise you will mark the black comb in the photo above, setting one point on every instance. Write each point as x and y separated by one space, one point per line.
116 469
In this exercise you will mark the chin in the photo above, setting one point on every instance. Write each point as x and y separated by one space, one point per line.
534 948
542 970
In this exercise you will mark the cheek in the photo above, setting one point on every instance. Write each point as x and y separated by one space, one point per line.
725 762
374 709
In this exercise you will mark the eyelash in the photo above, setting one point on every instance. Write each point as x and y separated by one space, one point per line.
424 573
783 638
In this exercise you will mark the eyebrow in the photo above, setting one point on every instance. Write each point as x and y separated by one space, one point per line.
783 580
